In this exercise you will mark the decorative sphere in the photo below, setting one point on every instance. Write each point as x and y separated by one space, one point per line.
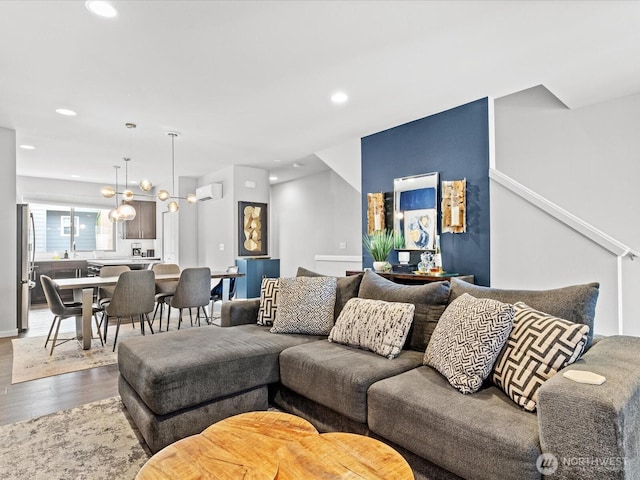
173 206
191 198
163 195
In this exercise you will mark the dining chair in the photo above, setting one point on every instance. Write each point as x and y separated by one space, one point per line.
193 291
105 293
61 311
134 296
164 289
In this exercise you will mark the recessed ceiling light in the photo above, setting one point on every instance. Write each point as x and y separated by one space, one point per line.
273 178
339 97
297 164
103 9
28 147
66 111
75 176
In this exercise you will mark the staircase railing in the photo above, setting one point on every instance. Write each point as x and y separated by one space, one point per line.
619 249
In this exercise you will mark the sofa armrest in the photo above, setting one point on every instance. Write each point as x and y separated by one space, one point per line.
594 430
239 312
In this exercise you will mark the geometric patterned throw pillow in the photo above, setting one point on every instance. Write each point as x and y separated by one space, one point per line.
468 339
305 305
268 301
374 325
538 347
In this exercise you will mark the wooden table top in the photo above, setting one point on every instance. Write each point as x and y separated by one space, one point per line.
242 446
89 282
337 456
274 445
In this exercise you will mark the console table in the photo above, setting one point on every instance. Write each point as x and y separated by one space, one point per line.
416 278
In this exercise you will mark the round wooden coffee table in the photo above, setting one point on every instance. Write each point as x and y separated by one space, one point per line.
341 456
243 446
274 445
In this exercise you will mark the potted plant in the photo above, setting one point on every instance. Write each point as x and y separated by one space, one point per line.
379 244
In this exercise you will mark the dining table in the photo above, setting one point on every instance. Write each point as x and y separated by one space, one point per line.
83 291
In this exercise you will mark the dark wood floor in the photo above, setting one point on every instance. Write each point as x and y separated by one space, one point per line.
32 399
35 398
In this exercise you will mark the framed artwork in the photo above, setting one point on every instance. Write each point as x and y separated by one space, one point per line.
415 210
420 229
252 229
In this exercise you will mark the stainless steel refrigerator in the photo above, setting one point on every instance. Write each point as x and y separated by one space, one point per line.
26 259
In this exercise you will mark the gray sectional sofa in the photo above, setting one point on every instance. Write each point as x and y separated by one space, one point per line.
178 383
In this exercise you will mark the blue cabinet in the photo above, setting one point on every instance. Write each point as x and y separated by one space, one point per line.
254 270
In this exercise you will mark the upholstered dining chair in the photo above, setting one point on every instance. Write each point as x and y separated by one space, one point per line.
193 291
164 289
105 293
134 296
61 311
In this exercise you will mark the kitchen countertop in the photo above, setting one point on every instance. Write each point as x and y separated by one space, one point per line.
122 261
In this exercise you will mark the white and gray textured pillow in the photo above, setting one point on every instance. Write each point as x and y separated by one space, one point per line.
468 339
538 347
374 325
268 301
305 305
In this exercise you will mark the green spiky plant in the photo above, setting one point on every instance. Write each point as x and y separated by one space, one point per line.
380 243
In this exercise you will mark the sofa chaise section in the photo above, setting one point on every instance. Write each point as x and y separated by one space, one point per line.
185 372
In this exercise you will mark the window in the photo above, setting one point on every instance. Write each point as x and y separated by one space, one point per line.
55 232
65 225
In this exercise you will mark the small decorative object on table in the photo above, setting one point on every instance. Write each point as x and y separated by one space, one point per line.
426 262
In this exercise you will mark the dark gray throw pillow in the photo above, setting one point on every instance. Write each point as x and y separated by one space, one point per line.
430 301
576 303
346 289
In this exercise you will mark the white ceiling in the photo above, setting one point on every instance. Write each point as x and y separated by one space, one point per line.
249 82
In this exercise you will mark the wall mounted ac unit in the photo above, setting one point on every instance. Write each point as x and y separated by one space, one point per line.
213 191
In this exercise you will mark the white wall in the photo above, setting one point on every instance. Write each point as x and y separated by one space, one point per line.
345 160
585 161
187 225
8 242
314 215
218 219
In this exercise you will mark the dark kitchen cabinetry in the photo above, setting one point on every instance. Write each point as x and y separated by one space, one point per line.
57 269
144 225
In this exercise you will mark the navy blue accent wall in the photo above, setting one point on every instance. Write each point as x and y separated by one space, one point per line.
454 143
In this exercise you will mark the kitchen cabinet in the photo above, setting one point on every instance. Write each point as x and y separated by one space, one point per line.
144 225
255 269
56 269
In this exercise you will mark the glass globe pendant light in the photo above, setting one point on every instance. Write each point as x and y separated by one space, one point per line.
114 214
126 211
163 195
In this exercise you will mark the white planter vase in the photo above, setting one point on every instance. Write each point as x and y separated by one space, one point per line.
380 266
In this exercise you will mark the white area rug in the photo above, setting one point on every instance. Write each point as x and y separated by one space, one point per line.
31 360
95 441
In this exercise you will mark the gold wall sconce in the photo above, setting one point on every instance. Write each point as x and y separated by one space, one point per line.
375 212
454 206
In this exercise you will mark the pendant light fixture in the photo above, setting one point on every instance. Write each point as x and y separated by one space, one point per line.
164 195
127 212
114 214
127 194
